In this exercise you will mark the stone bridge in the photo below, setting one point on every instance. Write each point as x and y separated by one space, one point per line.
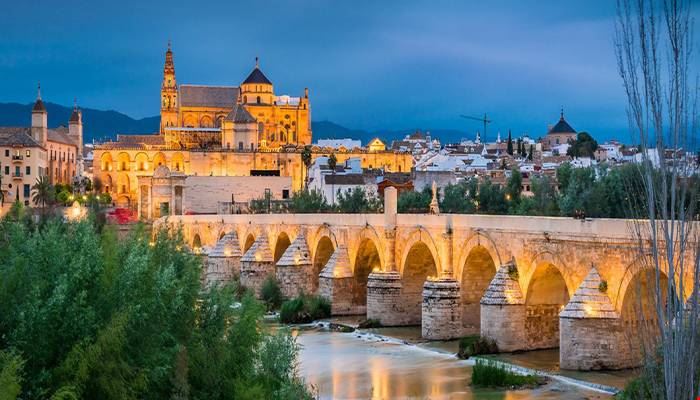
526 282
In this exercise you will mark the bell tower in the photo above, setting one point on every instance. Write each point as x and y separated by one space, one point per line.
168 93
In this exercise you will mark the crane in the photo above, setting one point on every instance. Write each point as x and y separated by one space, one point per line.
485 120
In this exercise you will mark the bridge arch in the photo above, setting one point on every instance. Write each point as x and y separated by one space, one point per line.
483 240
420 264
196 242
324 248
475 274
420 235
367 259
546 295
369 234
282 241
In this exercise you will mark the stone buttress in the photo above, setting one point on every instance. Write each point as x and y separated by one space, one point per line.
503 310
294 269
336 283
257 264
223 261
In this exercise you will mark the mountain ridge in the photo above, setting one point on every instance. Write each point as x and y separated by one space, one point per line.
100 125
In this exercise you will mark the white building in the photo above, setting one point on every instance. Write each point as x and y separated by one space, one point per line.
349 144
346 177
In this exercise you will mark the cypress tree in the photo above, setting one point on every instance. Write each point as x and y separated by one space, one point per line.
509 149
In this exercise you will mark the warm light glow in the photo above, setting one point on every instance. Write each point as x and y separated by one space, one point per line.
227 251
152 243
588 309
297 258
376 269
258 256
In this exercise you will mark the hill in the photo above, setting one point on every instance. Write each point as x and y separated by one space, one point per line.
97 124
103 125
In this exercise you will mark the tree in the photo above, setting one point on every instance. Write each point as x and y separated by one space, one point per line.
531 152
654 44
520 147
358 200
509 148
332 162
514 186
491 199
2 194
308 201
306 159
42 192
583 146
455 199
415 202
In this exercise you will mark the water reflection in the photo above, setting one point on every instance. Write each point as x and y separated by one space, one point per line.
345 366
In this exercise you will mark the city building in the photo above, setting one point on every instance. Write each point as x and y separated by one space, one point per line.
561 133
26 153
244 131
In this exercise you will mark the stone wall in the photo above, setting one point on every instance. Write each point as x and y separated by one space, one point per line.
384 300
542 326
294 280
441 315
253 274
339 292
595 343
505 324
222 269
202 194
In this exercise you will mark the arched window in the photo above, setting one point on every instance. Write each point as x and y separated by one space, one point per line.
245 99
258 99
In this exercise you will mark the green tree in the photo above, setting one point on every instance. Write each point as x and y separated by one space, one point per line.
583 146
531 153
514 187
306 159
332 162
509 148
415 202
308 201
42 192
357 200
456 199
491 199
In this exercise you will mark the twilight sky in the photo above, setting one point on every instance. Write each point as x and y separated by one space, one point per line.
369 65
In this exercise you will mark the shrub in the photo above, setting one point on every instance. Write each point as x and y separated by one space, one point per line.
491 374
304 309
476 345
271 294
603 286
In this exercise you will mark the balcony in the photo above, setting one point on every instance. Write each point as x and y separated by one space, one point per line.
17 175
17 158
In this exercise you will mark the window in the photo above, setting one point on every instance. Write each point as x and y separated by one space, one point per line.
240 145
27 189
28 153
258 99
7 170
7 152
17 173
285 193
28 170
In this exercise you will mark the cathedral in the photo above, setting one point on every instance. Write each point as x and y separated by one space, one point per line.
234 134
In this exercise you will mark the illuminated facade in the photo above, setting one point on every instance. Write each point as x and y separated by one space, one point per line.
244 130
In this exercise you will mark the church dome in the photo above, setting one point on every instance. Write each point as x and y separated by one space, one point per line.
562 126
257 76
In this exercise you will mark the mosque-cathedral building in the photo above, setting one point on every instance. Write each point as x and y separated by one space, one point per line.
218 131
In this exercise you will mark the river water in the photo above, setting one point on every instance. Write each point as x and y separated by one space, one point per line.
362 365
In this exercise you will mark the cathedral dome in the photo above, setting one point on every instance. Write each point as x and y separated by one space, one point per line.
256 76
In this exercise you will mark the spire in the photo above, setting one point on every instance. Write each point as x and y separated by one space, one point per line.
75 115
38 104
562 113
257 62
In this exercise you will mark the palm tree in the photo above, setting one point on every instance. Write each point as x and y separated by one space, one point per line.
2 194
42 192
306 159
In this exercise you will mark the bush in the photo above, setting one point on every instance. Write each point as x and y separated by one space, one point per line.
304 309
476 345
491 374
271 294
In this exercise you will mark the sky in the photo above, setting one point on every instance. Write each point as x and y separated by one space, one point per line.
373 65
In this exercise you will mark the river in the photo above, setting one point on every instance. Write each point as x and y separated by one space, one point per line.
364 365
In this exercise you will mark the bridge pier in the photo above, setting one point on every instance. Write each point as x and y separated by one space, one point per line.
441 310
294 269
384 299
256 265
592 334
223 262
503 310
336 283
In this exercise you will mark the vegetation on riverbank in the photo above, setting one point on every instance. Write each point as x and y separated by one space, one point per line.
84 314
304 309
476 345
488 373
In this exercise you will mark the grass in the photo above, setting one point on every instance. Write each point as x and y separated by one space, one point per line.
304 309
475 345
369 323
488 373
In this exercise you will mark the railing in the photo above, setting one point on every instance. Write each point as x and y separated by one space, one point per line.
17 157
17 175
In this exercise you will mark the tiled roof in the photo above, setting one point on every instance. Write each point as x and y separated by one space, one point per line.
17 136
135 141
240 114
398 177
256 76
562 127
39 106
60 135
345 179
208 96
